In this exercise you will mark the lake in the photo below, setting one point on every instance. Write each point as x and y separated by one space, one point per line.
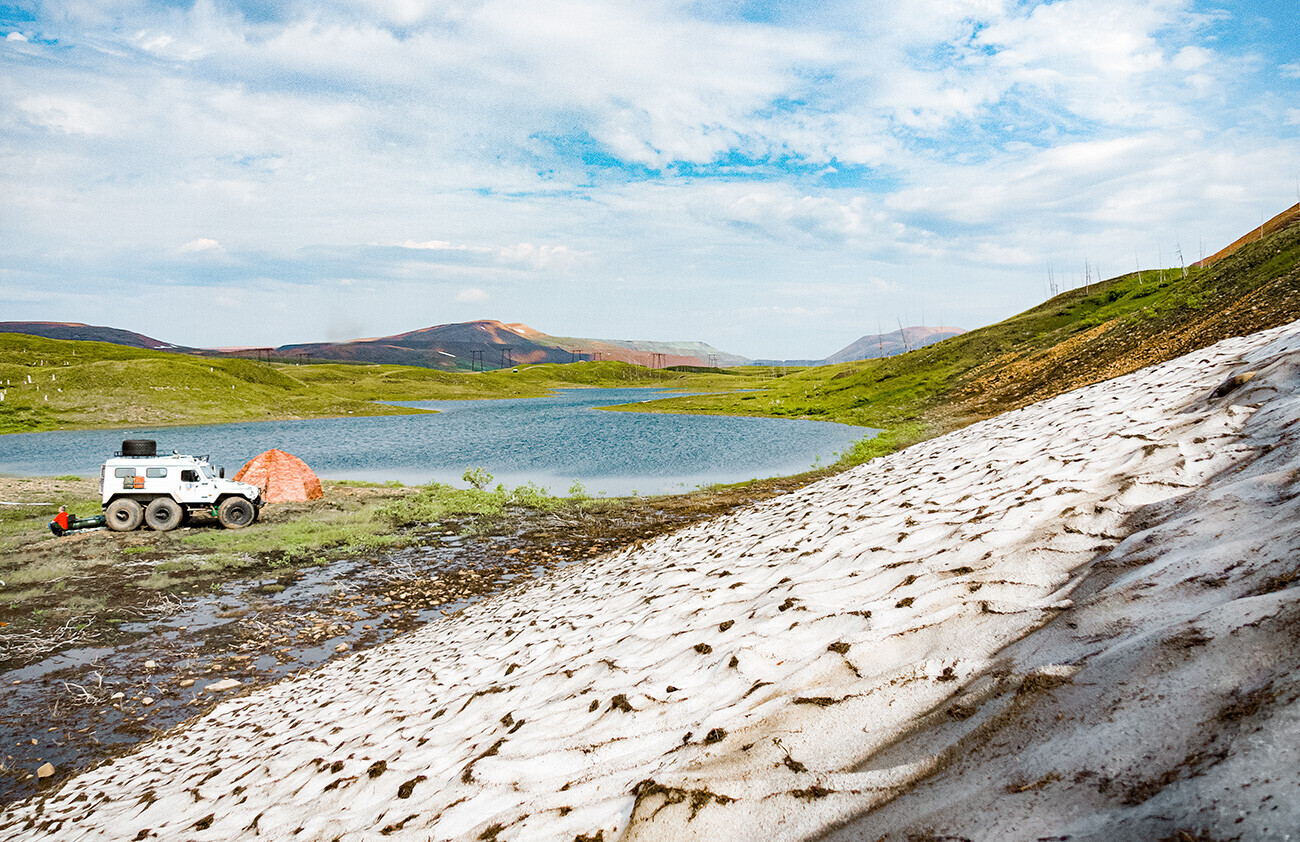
552 442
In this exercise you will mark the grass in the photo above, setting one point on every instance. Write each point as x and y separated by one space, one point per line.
105 569
437 501
17 523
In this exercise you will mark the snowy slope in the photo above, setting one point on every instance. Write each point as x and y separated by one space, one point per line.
902 648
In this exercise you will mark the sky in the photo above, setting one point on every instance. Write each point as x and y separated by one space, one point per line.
774 178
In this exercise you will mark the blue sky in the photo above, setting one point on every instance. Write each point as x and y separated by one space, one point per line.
774 178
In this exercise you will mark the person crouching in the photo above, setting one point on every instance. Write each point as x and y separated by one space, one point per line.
60 523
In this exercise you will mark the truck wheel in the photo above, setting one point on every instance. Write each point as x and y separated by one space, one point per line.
123 515
163 515
235 513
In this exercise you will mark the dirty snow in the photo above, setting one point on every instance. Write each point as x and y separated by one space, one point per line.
1074 620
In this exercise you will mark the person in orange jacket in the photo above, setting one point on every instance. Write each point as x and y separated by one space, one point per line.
60 523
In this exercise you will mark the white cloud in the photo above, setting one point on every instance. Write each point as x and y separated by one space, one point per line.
471 295
66 114
1192 58
519 254
443 245
539 257
202 244
15 36
1004 256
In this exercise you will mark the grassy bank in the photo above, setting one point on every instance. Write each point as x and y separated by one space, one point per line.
354 518
52 384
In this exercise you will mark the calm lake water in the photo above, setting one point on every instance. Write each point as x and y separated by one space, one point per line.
553 442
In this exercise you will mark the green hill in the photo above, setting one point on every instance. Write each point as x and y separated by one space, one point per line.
50 384
1082 336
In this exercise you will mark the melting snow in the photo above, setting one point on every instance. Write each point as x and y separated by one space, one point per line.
1077 619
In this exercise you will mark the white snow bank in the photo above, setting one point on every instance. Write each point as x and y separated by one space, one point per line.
784 669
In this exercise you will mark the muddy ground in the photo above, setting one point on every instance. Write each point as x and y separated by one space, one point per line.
92 663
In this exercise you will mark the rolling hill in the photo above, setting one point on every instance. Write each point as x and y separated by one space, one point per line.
464 346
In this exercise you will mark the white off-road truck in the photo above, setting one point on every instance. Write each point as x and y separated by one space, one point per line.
139 486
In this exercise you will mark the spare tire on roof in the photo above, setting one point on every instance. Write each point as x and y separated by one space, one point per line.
139 447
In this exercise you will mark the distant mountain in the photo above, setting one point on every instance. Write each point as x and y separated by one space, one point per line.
876 345
467 345
92 333
460 346
647 352
492 344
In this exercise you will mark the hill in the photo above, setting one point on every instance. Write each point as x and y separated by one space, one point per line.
1282 220
476 345
75 331
488 344
876 345
51 384
1081 336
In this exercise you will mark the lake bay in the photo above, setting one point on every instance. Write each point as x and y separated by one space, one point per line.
552 442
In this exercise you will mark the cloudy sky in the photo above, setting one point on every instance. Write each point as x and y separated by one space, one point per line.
772 177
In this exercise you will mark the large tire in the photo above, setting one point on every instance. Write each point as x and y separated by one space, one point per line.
236 513
139 447
163 515
123 515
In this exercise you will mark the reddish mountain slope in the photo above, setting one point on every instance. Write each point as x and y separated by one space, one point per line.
467 345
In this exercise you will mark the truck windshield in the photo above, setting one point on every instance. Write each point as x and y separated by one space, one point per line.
208 473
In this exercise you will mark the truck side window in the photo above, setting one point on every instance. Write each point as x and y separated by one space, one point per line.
155 473
124 472
189 475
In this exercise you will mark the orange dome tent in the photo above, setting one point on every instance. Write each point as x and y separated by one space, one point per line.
282 477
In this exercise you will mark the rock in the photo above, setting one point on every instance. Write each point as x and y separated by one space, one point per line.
117 696
45 771
342 647
187 682
223 685
146 701
151 665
